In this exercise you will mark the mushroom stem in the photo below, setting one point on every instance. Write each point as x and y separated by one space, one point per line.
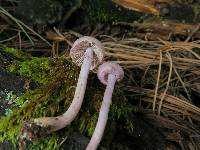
75 106
66 118
103 115
108 74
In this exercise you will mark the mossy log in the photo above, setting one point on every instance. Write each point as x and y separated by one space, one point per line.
56 81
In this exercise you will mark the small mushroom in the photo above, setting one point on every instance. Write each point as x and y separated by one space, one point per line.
86 52
108 74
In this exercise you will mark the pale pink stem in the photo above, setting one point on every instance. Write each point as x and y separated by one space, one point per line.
75 106
103 115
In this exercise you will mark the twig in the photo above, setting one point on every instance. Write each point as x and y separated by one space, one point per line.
183 84
192 33
58 32
157 84
21 25
168 81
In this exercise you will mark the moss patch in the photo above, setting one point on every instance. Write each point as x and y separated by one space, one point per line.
14 52
37 69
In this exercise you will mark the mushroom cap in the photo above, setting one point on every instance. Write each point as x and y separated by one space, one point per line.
79 47
109 68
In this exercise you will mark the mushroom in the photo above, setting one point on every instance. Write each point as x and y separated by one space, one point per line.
86 52
108 73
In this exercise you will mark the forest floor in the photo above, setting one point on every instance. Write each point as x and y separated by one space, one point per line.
160 90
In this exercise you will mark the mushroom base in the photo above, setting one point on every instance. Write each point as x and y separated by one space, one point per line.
32 130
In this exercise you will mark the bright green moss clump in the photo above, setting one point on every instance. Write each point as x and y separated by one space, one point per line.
37 69
58 79
14 52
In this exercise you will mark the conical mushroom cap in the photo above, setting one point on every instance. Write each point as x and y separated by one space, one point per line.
79 47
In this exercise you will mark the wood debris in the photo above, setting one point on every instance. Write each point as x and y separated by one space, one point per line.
145 6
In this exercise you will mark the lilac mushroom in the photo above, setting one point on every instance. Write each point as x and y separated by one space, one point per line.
108 74
88 53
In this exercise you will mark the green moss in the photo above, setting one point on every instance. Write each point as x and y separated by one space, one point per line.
39 70
47 143
14 52
87 123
